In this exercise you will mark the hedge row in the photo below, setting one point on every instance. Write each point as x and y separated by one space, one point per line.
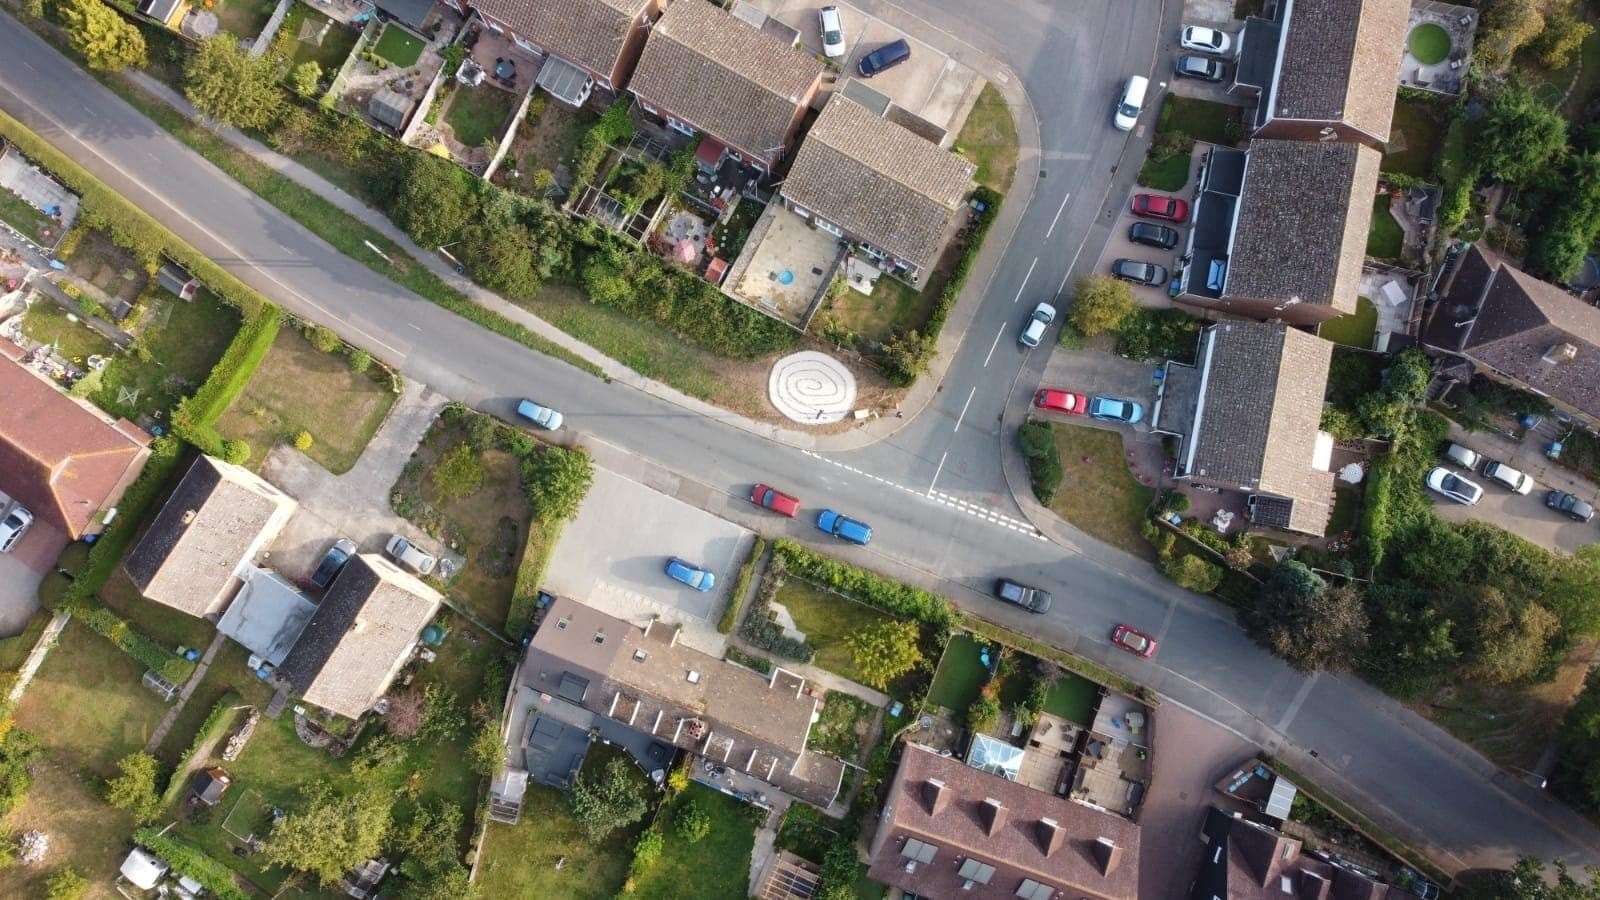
192 861
980 225
136 644
865 586
741 587
196 416
217 723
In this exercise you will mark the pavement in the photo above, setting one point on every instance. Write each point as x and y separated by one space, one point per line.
1524 515
1190 754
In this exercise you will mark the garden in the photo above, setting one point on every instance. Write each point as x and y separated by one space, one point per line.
21 215
1354 329
827 620
1385 237
306 35
477 115
1181 122
1116 506
47 322
176 343
545 139
243 18
398 45
989 138
715 865
521 860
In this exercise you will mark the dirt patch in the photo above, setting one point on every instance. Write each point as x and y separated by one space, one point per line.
543 142
109 267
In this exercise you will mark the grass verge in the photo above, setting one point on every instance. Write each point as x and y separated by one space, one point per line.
989 138
1100 496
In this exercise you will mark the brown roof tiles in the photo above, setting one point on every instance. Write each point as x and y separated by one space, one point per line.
588 33
1340 61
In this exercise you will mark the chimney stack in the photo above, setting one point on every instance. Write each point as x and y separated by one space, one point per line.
1051 836
1560 353
1107 855
993 815
935 796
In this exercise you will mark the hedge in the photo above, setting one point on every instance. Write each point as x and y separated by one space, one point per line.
741 587
197 414
217 723
1062 658
136 644
192 861
865 586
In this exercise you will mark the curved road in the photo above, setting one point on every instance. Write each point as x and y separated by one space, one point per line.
1418 781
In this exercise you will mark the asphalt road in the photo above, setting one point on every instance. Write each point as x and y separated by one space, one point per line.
1376 754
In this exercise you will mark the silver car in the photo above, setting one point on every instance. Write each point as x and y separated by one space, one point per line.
12 527
410 555
1033 332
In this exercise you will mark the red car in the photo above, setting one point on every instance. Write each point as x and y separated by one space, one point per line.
770 497
1057 400
1155 206
1134 641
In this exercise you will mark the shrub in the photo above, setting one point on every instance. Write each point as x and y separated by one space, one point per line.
360 361
303 440
1190 571
322 337
134 791
864 585
66 884
1037 442
885 650
305 78
556 480
236 451
761 629
984 713
741 587
691 822
147 652
458 473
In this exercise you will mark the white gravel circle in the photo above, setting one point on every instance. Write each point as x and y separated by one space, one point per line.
811 388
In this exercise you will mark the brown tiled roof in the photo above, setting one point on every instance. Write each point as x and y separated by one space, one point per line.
217 518
360 636
879 181
732 81
1264 864
589 33
1302 223
1086 852
60 457
1340 62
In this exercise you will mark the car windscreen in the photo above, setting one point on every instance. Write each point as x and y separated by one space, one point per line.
1129 110
832 37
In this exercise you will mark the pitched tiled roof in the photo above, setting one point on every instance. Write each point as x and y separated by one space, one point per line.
879 181
1302 223
60 457
724 77
1340 62
590 33
1260 863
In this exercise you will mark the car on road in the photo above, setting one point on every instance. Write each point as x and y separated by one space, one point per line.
1507 477
1032 599
693 576
1126 113
1110 409
541 416
1139 272
884 58
410 555
16 522
1038 321
1201 39
844 527
1463 457
832 30
1157 206
1202 68
1150 234
1569 505
769 497
1453 486
1057 400
333 563
1134 641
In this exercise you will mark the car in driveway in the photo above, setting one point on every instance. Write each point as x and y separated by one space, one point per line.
1134 641
13 526
1150 234
1032 599
1157 206
769 497
1463 457
1201 68
1139 272
410 555
333 563
831 26
1057 400
1038 321
1507 477
1448 483
541 416
884 58
1111 409
693 576
843 527
1569 505
1201 39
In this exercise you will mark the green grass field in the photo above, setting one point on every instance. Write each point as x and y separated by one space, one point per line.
1385 238
1073 698
478 114
989 138
717 867
47 322
185 340
961 675
1099 495
398 46
827 619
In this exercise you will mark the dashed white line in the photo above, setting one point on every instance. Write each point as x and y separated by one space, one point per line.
1059 210
994 345
1024 285
978 512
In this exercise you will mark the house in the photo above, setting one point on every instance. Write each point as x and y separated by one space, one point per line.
177 280
1247 416
1323 69
1280 230
218 518
362 633
1517 329
168 13
267 616
209 785
705 72
647 680
588 43
950 830
1246 860
878 185
61 457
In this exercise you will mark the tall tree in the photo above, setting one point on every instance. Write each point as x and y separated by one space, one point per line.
885 650
1528 880
435 200
1508 641
135 789
609 799
1565 235
226 83
1517 136
105 39
332 834
1100 304
1310 625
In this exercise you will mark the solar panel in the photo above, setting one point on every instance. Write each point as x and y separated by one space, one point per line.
918 851
973 870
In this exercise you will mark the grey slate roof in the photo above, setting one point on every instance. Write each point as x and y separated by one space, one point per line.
590 33
1340 62
722 76
878 181
1302 223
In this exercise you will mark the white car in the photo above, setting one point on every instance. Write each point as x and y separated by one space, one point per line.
1033 332
410 555
1454 486
12 526
1205 40
832 28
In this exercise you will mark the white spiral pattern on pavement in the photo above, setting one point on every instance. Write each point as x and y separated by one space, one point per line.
811 388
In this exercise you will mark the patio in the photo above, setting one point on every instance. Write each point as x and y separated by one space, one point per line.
1393 297
399 90
786 267
505 64
1047 762
1446 74
355 13
720 180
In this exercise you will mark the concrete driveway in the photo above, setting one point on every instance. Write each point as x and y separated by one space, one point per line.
1524 515
21 570
1119 247
1093 372
1191 753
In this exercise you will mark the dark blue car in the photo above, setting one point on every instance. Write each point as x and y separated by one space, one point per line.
844 527
884 58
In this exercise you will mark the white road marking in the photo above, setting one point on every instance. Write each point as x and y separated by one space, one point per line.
980 513
937 471
1025 280
994 345
964 408
1059 210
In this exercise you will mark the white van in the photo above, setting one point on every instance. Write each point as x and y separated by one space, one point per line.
1504 475
1131 104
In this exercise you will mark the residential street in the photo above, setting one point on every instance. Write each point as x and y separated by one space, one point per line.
1422 784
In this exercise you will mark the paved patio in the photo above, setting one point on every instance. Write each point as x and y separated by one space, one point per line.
784 266
1447 75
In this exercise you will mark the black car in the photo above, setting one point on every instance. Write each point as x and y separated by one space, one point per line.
1200 67
884 58
1152 235
1031 599
1563 502
1139 272
333 562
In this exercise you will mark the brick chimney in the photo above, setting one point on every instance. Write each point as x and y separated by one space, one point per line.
1107 855
1051 836
935 796
993 815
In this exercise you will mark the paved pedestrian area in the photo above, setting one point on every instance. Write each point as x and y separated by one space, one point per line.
1191 753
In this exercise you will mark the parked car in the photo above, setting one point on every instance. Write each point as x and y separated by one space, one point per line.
1139 272
765 495
13 525
1563 502
1507 477
1202 68
1110 409
884 58
1463 457
1031 599
1157 206
1205 40
693 576
541 416
832 29
333 563
844 527
1056 400
1150 234
1038 321
1126 113
410 555
1454 486
1134 641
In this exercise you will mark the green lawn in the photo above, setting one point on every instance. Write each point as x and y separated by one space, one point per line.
961 674
1419 126
520 860
1198 120
891 307
330 53
185 340
717 867
18 213
159 621
827 619
1385 238
15 649
478 114
1073 698
398 46
1429 43
1346 510
1098 494
842 727
228 673
1355 329
47 322
989 138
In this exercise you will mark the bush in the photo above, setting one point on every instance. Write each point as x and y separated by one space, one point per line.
235 451
134 791
762 630
741 587
66 884
1100 304
322 337
1190 571
1157 334
1037 442
691 822
984 713
360 361
303 440
189 859
457 474
556 480
885 650
866 586
147 652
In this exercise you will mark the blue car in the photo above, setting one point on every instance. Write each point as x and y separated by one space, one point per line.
844 527
699 579
1110 409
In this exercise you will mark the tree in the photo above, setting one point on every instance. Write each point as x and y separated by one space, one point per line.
1299 618
1505 27
1527 880
691 822
360 361
305 78
906 356
1517 136
331 835
1507 641
487 752
104 39
840 870
1100 304
1411 644
501 259
1564 236
435 200
555 480
458 473
66 884
1577 775
226 83
134 791
609 799
885 650
1564 32
432 863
